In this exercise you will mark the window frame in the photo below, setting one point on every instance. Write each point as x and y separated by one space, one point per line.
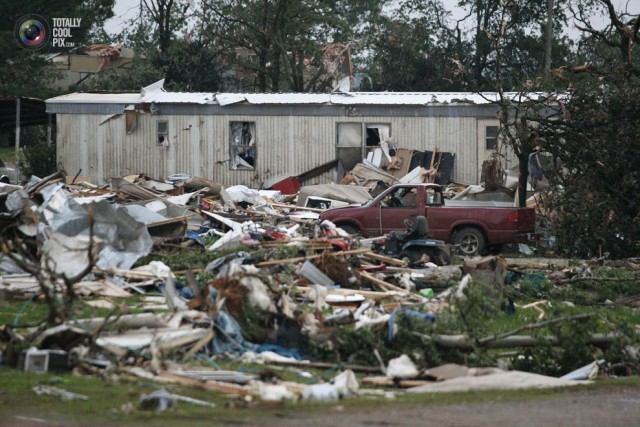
491 142
236 150
162 134
365 135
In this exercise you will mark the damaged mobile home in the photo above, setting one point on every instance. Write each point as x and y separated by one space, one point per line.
260 139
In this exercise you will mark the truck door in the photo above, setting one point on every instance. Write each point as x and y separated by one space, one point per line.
397 206
436 214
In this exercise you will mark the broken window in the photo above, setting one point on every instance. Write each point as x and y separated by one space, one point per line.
131 118
491 137
162 129
242 147
377 132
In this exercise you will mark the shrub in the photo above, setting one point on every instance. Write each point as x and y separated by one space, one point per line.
38 160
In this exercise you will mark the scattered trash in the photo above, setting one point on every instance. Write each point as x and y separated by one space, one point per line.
279 281
58 392
320 393
401 367
588 372
159 400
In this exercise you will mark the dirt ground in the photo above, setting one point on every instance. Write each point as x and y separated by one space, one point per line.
618 407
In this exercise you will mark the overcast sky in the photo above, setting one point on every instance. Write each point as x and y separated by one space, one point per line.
125 10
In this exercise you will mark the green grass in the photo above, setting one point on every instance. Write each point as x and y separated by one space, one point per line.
108 397
484 318
8 154
23 311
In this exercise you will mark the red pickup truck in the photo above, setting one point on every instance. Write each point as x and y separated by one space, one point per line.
473 228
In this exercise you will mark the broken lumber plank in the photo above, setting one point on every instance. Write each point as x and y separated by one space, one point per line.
382 381
375 295
200 344
444 272
385 259
168 377
294 207
131 274
381 283
304 258
325 365
210 385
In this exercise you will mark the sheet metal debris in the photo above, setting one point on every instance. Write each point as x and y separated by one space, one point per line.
326 281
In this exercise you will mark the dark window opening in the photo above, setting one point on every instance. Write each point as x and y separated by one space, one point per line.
373 137
491 137
242 147
162 130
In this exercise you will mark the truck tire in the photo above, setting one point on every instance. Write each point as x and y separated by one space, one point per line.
470 241
350 229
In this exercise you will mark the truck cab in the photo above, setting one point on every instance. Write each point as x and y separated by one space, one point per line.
472 228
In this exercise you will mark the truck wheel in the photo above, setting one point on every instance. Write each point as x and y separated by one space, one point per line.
471 241
350 229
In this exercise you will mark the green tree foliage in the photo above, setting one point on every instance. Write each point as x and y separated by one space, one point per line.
38 159
170 42
485 45
407 50
22 72
278 45
598 141
503 43
596 134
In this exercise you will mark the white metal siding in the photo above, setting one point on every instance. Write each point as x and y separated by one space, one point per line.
285 145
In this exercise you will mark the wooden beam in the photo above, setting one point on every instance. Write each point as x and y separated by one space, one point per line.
304 258
381 283
375 295
385 259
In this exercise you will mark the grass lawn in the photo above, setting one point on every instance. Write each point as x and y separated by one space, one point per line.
114 401
8 154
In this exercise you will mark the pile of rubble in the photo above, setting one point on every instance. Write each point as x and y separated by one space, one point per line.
65 238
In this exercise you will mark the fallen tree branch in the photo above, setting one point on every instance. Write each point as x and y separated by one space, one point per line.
604 279
511 340
531 326
463 343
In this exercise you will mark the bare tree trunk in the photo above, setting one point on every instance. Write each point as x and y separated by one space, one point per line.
523 175
549 37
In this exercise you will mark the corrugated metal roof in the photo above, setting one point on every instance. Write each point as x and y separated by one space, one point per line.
162 97
274 98
96 98
159 96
